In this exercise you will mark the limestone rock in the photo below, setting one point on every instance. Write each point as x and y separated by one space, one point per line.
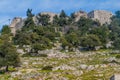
35 20
28 76
78 73
90 67
111 59
64 67
21 51
80 14
83 66
115 77
44 13
50 14
14 74
16 24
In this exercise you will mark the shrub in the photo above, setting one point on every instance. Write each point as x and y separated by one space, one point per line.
26 55
43 55
118 56
47 68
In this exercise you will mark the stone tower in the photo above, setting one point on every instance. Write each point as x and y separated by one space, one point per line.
101 15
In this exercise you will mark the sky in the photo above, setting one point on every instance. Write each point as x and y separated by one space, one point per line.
17 8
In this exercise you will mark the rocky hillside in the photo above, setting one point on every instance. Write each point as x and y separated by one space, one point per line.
99 65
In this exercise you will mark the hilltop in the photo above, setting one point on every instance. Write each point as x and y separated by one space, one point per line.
98 15
95 30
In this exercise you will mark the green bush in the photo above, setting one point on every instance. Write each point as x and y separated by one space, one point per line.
30 55
38 47
26 55
118 56
43 55
47 68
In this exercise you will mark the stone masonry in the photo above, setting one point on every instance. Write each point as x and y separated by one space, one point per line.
101 15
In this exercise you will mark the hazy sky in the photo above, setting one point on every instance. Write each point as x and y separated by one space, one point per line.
11 8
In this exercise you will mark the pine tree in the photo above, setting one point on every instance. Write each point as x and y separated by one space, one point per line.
29 23
8 53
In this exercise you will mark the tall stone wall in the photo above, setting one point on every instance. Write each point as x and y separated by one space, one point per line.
101 15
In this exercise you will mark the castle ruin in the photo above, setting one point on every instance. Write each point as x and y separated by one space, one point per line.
98 15
101 15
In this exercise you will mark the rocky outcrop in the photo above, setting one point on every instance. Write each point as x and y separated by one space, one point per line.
44 13
16 24
79 14
101 15
50 14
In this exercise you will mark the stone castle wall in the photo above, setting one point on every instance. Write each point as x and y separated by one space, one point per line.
101 15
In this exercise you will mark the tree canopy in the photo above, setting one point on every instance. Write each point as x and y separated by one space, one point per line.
8 53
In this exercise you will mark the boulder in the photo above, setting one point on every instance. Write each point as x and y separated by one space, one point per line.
64 67
80 14
115 77
16 24
83 66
